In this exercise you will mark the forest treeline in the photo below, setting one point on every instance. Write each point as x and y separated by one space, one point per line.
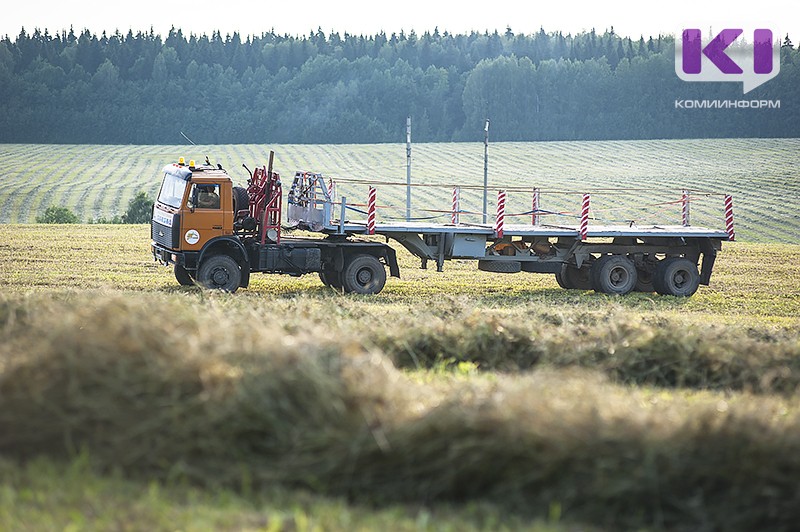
330 88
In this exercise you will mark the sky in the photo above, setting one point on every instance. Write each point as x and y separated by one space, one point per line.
299 17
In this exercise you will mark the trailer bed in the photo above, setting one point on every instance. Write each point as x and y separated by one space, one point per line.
523 230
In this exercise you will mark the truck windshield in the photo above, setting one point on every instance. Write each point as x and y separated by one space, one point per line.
172 190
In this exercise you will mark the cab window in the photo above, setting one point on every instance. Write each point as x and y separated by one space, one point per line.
206 196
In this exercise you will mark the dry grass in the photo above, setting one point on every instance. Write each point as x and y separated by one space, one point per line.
203 388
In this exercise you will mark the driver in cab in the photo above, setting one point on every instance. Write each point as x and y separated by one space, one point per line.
207 197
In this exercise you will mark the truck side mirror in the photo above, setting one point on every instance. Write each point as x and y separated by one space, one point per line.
193 200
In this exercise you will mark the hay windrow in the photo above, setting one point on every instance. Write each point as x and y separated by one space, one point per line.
155 388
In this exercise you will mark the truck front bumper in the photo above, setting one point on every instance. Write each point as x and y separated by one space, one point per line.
165 256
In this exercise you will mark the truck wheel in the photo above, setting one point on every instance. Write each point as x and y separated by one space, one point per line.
500 266
241 201
183 276
220 272
677 277
331 278
363 274
577 278
614 274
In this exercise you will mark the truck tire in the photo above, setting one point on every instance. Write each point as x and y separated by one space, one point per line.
575 278
220 272
363 274
614 274
500 266
183 276
331 278
676 277
241 201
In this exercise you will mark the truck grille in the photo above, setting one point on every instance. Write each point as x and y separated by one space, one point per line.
168 237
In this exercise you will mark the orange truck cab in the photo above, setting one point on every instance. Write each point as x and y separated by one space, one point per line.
215 235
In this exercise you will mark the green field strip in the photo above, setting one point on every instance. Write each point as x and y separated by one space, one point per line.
760 173
86 177
40 197
30 168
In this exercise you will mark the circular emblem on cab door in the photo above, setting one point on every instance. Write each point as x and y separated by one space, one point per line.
192 237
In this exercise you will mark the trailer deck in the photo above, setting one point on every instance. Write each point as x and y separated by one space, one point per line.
523 230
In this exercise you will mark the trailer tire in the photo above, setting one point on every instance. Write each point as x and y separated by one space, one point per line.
220 272
575 278
331 278
241 201
500 266
614 274
183 276
676 277
363 274
646 267
561 280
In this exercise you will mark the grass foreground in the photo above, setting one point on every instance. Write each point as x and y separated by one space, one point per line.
455 400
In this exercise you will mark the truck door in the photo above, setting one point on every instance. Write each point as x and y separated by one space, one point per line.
204 219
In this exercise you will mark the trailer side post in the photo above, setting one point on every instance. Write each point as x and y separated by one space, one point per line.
585 217
685 208
454 217
729 217
371 211
342 215
500 221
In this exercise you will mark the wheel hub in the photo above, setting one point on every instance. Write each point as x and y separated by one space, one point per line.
364 276
220 277
619 276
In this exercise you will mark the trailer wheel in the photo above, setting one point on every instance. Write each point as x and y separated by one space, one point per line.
220 272
575 278
614 274
363 274
644 281
331 278
560 279
645 273
676 277
500 266
183 276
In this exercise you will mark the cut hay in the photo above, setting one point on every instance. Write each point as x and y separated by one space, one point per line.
157 388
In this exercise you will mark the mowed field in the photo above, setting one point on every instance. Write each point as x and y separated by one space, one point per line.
630 180
460 400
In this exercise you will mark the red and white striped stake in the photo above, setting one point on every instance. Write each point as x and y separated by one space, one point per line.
331 190
454 216
729 217
585 217
371 211
535 207
500 221
685 208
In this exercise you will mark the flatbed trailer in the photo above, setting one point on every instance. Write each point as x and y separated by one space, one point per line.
613 259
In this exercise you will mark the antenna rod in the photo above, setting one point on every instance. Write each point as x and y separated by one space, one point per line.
485 170
408 169
187 138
